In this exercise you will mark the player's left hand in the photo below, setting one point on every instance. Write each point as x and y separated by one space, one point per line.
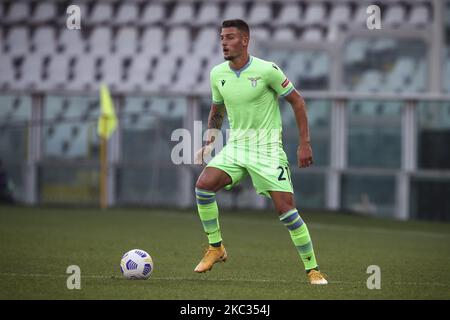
304 155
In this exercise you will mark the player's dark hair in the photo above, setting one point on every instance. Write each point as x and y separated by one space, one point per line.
241 25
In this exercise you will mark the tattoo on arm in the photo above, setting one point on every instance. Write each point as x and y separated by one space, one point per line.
215 121
216 117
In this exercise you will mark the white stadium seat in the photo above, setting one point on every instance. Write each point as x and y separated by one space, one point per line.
208 14
162 75
207 41
152 41
58 72
312 35
188 74
340 14
259 33
260 13
182 14
127 13
138 75
6 71
284 34
31 73
100 41
101 13
126 42
112 71
420 16
71 42
290 14
18 12
44 12
178 41
18 41
44 40
395 16
153 13
234 11
84 73
315 14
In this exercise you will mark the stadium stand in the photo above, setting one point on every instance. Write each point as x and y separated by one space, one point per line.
163 35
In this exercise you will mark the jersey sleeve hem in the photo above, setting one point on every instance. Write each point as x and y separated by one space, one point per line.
287 92
217 102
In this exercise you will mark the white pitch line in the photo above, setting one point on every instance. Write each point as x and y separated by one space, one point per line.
92 276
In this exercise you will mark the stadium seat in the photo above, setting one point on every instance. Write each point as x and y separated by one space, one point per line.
7 74
183 14
314 14
44 12
163 73
284 34
360 17
340 14
312 35
259 34
234 11
154 13
188 74
100 41
44 41
208 14
395 16
206 43
290 15
102 12
420 16
127 13
152 41
17 41
126 42
261 13
71 42
139 73
178 41
31 73
58 72
84 73
18 12
111 71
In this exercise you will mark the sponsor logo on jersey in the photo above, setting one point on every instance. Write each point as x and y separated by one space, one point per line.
285 83
254 81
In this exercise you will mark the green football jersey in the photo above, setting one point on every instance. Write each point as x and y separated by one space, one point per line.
250 96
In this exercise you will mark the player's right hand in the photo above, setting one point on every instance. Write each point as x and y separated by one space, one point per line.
201 154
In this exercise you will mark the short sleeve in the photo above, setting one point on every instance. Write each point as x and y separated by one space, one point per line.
278 81
216 96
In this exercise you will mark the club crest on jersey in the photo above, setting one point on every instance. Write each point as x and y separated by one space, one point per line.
254 81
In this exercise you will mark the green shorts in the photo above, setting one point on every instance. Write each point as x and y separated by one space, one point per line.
267 166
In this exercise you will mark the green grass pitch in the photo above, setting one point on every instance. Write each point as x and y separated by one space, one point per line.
38 244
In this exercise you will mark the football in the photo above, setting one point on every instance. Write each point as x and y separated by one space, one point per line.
136 264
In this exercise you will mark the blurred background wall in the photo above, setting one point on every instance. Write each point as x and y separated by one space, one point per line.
378 100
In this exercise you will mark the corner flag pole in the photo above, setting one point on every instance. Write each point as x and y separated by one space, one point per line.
104 166
107 123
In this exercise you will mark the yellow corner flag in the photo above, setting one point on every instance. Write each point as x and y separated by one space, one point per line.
107 122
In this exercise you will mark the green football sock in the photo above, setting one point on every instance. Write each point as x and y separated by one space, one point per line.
209 215
300 236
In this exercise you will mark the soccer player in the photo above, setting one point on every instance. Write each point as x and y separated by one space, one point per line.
248 88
